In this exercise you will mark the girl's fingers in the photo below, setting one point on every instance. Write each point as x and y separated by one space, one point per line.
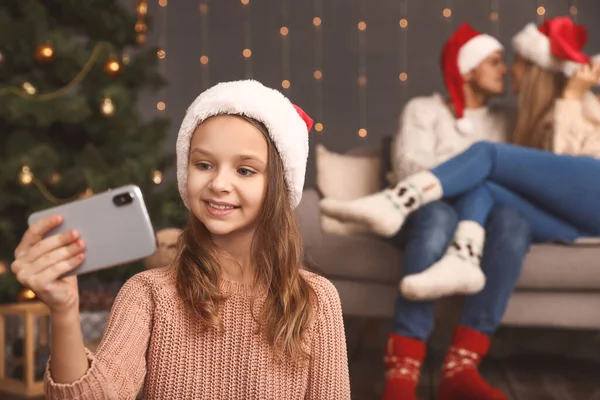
36 233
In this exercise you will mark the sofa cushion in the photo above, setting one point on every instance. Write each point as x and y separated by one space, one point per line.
371 259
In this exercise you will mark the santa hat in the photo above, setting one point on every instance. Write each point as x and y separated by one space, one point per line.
287 124
555 46
464 51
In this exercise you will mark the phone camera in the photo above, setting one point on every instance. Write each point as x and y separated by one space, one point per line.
122 199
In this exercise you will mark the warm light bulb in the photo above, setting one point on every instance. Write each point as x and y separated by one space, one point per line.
284 31
245 2
318 127
161 54
318 74
55 178
157 177
203 60
285 84
316 21
142 8
362 25
494 16
113 66
447 12
26 176
29 88
403 23
541 10
362 80
108 108
163 3
160 106
573 10
403 76
362 132
247 53
203 8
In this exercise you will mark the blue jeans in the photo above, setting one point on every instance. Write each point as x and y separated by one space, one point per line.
425 238
557 194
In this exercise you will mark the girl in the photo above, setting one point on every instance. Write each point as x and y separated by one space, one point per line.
237 317
557 192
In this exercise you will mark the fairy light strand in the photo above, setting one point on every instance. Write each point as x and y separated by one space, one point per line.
447 14
573 10
495 17
204 57
162 52
362 69
318 72
540 11
247 39
403 73
284 33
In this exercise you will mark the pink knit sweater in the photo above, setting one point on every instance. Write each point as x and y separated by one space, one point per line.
150 340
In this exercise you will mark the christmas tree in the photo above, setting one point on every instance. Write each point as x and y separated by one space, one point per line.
71 73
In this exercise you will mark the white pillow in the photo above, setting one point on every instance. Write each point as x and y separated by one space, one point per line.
345 177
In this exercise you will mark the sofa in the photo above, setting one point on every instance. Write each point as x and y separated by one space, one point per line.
559 285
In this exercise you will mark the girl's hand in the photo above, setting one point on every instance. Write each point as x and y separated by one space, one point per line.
40 262
582 81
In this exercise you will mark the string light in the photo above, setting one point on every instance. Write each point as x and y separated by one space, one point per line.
162 54
540 11
285 49
247 38
29 88
163 3
362 70
573 10
403 54
107 107
140 25
284 30
55 178
204 59
495 16
318 72
447 12
157 177
44 53
26 176
247 53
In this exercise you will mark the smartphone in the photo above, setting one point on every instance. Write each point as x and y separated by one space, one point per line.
114 224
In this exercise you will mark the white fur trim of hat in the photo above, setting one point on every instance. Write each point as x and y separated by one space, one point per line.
472 53
287 129
534 46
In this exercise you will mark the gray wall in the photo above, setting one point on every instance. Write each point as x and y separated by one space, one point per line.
386 49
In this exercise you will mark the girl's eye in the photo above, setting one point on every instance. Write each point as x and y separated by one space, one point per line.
245 172
202 166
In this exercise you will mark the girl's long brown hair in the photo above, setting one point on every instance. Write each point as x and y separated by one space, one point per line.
288 307
539 90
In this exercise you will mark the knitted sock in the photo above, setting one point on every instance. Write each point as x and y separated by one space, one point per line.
458 272
460 377
384 212
403 358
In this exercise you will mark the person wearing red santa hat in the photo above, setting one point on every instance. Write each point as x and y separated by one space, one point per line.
433 129
552 179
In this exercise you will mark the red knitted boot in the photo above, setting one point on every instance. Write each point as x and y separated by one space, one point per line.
460 378
403 358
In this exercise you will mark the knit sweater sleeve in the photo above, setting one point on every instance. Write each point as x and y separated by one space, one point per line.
572 132
414 145
117 370
328 370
